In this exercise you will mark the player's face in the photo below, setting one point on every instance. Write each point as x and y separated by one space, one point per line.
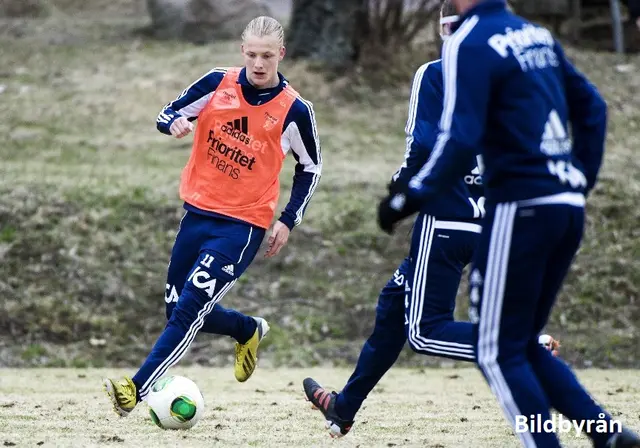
261 58
463 5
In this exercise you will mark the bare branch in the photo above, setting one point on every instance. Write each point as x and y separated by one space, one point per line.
428 9
396 17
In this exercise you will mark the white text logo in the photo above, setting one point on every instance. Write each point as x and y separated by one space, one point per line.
201 279
555 140
532 46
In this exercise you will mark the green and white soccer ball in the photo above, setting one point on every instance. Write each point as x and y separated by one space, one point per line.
175 402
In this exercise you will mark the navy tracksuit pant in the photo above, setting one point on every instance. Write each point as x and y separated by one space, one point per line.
417 305
209 255
523 256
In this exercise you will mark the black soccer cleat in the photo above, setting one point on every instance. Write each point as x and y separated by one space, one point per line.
325 401
624 439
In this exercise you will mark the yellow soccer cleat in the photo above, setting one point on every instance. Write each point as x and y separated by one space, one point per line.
122 394
247 354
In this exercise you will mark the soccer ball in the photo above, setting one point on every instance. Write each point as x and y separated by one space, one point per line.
175 402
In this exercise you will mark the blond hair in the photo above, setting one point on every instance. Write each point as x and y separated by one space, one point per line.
264 26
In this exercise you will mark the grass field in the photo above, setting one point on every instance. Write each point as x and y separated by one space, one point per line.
411 407
89 204
88 213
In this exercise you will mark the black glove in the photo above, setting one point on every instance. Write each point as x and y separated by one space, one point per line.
395 207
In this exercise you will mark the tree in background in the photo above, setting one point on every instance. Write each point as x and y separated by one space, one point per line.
343 34
325 31
24 8
201 21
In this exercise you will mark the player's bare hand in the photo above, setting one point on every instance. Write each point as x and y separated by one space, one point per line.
277 240
181 127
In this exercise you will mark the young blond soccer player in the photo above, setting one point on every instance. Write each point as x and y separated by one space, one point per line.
249 118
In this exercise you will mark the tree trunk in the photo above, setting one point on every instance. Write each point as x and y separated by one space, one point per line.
24 8
327 31
544 7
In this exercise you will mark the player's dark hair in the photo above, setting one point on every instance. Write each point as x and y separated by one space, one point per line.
448 9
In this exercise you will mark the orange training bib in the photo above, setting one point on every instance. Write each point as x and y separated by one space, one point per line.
235 163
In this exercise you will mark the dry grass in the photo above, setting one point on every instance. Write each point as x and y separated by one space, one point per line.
425 408
89 207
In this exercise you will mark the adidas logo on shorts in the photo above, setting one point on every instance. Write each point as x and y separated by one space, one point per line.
228 269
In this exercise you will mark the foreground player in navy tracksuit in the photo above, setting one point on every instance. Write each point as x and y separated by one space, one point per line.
445 235
510 91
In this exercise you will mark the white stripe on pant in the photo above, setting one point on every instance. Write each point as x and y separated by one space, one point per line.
495 280
418 291
182 347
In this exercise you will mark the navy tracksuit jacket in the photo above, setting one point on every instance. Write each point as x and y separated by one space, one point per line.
540 126
418 302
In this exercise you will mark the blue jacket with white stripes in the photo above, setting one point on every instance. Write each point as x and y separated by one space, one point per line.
511 92
299 135
462 199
